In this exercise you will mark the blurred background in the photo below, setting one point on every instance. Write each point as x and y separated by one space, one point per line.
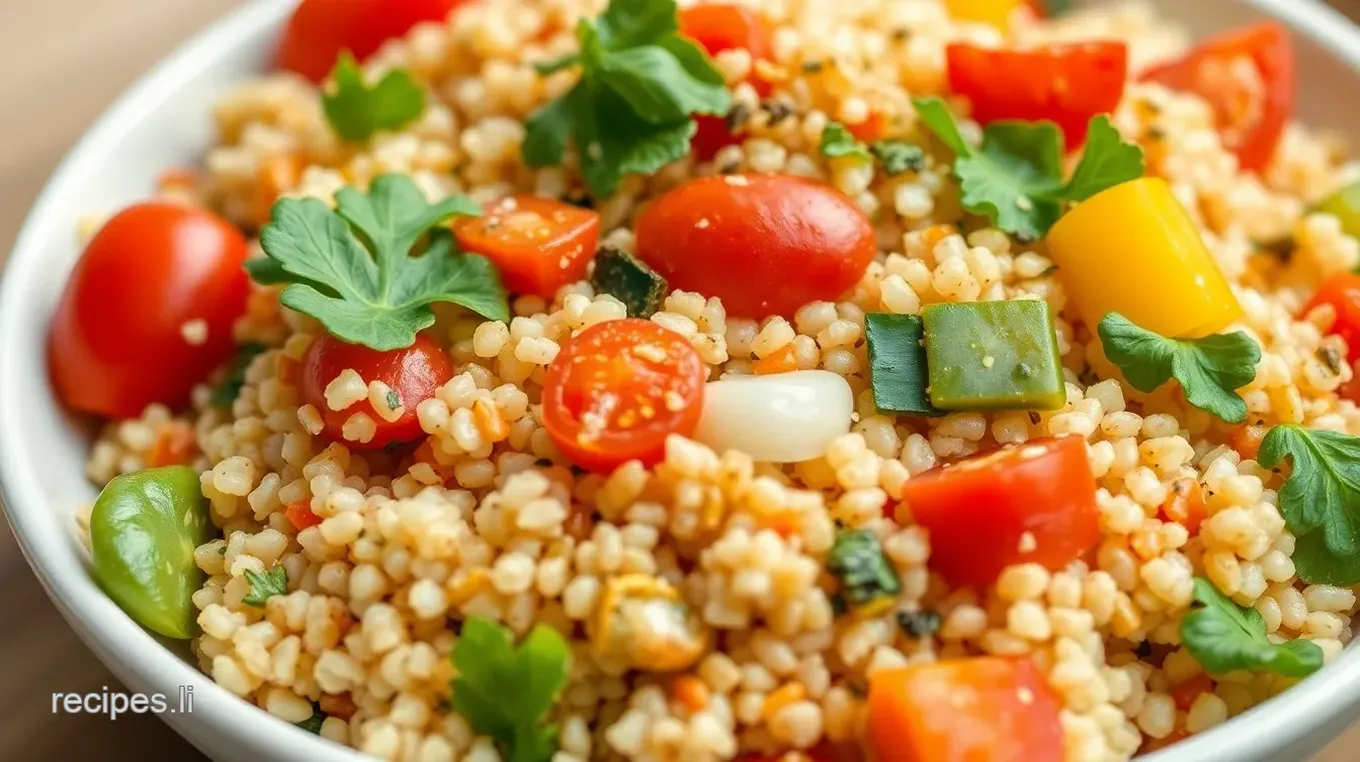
61 63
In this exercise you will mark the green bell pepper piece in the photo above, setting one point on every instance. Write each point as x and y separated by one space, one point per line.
993 356
897 364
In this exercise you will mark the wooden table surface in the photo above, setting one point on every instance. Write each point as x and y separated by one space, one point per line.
61 63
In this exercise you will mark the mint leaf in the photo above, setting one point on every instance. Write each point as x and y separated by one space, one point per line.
632 111
1224 637
837 141
1015 177
488 663
265 586
1210 370
351 268
899 156
1320 500
356 111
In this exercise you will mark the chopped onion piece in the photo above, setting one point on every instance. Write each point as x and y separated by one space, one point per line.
781 418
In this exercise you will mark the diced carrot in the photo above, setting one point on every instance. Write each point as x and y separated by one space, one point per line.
174 446
782 696
1247 440
300 513
1185 504
1185 693
691 692
489 421
871 129
782 360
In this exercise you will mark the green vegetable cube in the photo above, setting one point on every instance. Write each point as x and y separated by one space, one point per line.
624 276
993 356
897 364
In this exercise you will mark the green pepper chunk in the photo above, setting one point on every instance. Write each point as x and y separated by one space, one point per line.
143 531
897 364
993 356
625 277
1344 204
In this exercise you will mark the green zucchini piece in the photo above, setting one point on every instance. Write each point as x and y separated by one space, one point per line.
624 276
897 364
993 356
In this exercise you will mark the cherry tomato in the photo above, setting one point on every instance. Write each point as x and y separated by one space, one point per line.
764 244
1066 84
538 244
618 390
1342 293
718 28
156 279
1247 75
414 373
981 709
320 29
1032 503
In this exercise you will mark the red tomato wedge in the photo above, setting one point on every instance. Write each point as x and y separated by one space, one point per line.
538 244
719 28
1035 502
618 390
320 29
1342 293
156 279
984 709
1247 75
1066 84
764 244
413 373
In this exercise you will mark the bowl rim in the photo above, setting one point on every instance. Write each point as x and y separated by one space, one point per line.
1328 698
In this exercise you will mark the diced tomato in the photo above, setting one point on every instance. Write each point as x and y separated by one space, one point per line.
983 709
1246 440
148 310
301 515
538 244
871 129
413 374
175 446
764 244
1342 293
618 390
1185 693
320 29
1184 504
1065 83
1247 75
1035 502
719 28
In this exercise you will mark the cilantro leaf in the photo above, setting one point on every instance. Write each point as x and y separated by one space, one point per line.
1224 637
265 586
632 111
356 111
1210 370
379 299
837 141
487 662
899 156
1320 501
1015 177
229 388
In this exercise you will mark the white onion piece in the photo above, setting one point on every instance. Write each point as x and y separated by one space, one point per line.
780 418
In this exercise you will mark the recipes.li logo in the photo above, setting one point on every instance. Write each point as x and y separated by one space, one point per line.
113 703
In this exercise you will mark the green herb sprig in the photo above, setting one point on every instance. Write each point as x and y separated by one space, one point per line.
356 110
265 586
1225 637
1320 500
896 156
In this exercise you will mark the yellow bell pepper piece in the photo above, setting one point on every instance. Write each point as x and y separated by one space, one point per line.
1134 250
994 12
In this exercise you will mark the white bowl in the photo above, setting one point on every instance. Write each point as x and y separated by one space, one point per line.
164 121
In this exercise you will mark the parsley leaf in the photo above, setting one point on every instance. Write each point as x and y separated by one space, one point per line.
229 389
837 141
1224 637
1210 370
632 109
488 662
265 586
899 156
356 111
1015 177
313 724
382 299
1320 501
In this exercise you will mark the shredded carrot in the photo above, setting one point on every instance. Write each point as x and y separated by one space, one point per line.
174 446
1185 504
691 692
278 174
782 360
783 696
300 513
1247 440
1185 693
489 421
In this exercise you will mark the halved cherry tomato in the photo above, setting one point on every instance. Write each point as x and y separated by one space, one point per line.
1066 83
1342 292
764 244
618 390
1035 502
320 29
982 709
1247 75
719 28
301 515
414 373
538 244
156 279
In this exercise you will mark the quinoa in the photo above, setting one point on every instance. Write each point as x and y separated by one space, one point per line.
486 518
